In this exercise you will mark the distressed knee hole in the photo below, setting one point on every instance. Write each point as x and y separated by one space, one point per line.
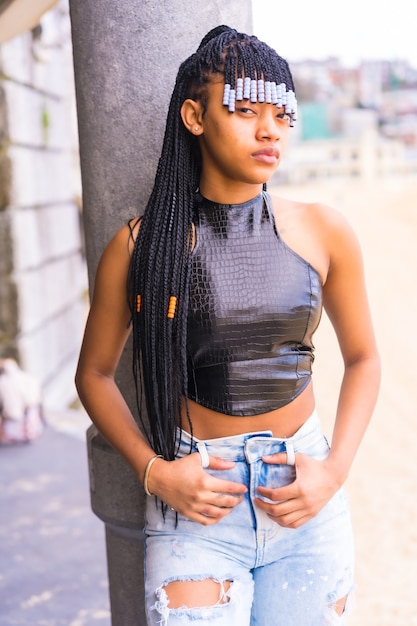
339 606
339 609
197 593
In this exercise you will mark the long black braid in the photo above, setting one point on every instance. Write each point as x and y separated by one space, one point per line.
159 269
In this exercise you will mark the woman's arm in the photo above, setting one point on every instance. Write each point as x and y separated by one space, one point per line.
106 333
346 303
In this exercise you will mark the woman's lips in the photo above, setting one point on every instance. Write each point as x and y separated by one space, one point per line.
266 155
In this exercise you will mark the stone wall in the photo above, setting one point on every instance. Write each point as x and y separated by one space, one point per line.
42 268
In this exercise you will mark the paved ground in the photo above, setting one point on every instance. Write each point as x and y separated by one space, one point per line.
52 550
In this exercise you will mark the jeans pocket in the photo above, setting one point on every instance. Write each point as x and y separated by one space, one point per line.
318 450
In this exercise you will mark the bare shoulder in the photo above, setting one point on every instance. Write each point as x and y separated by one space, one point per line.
120 246
318 232
337 233
309 213
320 220
113 267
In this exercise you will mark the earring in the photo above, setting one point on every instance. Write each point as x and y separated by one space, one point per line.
197 128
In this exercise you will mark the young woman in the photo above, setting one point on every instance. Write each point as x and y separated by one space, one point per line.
246 522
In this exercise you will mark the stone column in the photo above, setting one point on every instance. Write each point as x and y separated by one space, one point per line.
126 56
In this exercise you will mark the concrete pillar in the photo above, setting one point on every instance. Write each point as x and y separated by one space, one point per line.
126 56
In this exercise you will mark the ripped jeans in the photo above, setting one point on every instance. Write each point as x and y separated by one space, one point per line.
268 575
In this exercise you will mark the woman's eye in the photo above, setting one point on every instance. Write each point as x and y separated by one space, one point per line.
245 110
283 116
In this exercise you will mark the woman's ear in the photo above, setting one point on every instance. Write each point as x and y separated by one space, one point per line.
192 116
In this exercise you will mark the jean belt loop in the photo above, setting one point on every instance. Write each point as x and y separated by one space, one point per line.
289 446
202 449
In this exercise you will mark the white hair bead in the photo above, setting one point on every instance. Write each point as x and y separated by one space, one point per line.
226 93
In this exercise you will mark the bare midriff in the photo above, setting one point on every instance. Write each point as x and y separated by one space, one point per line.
283 422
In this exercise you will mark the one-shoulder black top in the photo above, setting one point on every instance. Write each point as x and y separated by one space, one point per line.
254 305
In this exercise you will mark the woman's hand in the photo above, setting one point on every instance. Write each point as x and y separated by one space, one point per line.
296 503
188 489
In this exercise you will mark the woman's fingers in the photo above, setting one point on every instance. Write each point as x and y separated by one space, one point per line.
279 458
301 500
195 493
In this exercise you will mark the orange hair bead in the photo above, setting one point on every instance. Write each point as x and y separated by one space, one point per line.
138 299
171 307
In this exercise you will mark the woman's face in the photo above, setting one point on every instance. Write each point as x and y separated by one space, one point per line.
240 148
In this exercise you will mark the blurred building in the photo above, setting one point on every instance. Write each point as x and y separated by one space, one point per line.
368 158
43 278
353 122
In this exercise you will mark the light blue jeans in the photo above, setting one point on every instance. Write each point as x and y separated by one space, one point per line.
278 576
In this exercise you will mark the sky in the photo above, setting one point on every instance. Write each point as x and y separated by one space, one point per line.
354 30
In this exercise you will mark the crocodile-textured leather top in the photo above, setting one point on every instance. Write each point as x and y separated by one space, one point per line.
254 306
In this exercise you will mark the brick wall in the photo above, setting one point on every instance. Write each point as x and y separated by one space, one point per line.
42 268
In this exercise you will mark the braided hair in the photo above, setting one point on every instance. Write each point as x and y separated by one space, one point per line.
160 264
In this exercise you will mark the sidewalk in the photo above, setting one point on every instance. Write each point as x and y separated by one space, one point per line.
52 548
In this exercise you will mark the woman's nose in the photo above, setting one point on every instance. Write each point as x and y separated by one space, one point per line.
269 127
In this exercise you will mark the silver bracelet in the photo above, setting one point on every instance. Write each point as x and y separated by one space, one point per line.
147 470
